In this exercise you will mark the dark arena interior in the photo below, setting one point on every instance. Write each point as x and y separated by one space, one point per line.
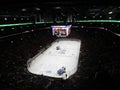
25 28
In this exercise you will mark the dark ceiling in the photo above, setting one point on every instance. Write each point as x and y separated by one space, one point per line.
32 3
87 7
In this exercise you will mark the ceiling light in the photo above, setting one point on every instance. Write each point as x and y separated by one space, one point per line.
24 9
110 12
38 9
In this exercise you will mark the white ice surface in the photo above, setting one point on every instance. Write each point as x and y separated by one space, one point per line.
51 60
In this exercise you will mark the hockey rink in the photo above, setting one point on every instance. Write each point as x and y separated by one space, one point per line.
60 60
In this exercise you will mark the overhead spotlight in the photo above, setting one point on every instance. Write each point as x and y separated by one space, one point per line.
100 16
24 9
110 12
110 18
57 7
118 25
32 30
14 18
21 18
93 16
85 17
90 23
82 26
11 41
13 28
21 38
106 29
27 18
2 29
5 18
37 9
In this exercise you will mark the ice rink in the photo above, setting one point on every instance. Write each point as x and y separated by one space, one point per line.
60 60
